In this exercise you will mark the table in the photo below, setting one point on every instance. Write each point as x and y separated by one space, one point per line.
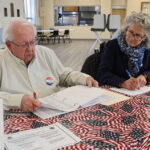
45 31
48 31
122 126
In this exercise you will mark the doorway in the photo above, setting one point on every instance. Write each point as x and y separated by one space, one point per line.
121 12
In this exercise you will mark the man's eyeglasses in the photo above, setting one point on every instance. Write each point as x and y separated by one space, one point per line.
137 37
26 44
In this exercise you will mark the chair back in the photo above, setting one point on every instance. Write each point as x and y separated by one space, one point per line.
66 32
56 33
39 33
92 62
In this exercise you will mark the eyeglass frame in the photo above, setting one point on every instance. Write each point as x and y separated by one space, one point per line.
26 44
136 36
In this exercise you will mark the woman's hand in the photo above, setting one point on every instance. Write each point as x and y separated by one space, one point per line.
130 84
142 80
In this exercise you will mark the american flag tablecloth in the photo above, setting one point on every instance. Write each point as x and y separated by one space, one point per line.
122 126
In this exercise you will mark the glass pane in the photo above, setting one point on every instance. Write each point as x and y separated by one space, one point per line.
12 9
5 12
18 13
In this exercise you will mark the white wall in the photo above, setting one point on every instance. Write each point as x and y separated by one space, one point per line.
18 4
76 2
106 9
134 5
121 3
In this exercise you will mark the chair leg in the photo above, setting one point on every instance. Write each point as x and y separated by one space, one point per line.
63 39
58 38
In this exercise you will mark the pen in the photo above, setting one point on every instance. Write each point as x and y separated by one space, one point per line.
131 76
34 95
128 73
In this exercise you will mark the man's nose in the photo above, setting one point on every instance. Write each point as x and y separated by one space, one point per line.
29 46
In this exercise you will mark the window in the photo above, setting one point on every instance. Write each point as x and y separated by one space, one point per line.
75 15
30 10
12 9
18 13
5 12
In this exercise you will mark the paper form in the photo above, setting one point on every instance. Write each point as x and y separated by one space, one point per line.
71 98
44 113
108 98
51 137
1 126
116 97
132 92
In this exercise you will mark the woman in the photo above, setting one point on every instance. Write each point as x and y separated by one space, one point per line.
126 59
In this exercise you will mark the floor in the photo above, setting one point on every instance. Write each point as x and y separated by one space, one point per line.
73 54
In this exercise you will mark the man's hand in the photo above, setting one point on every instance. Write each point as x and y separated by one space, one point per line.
27 103
142 80
91 82
130 84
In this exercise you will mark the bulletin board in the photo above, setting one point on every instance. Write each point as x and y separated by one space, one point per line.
145 7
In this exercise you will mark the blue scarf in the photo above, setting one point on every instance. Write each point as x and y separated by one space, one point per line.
135 55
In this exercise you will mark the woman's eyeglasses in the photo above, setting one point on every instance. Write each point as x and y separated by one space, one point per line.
136 36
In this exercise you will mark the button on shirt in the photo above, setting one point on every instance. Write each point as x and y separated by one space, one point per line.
44 75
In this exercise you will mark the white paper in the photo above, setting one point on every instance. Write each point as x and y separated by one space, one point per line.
132 92
50 137
108 98
44 113
1 126
99 100
71 98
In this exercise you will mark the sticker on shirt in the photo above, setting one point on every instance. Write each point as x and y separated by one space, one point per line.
49 81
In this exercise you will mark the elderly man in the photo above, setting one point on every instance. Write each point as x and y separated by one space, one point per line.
26 68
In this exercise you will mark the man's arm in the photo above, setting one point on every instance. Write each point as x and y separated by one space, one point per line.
68 77
19 101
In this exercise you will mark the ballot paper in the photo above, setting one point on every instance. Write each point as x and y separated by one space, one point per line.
71 98
132 92
107 98
51 137
44 112
1 126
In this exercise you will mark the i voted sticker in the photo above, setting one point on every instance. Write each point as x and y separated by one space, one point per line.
49 80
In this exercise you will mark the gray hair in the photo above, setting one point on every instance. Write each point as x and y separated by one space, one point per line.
140 18
8 30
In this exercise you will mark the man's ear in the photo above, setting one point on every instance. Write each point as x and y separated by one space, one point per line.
8 44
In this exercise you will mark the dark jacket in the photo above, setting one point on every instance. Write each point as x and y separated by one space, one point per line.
112 69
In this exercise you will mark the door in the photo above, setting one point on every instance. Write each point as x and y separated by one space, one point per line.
121 12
